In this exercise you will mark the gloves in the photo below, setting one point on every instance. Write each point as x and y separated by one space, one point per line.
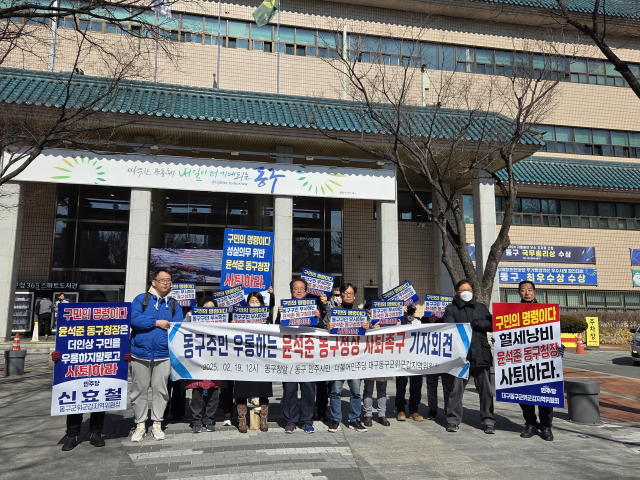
561 350
127 357
55 356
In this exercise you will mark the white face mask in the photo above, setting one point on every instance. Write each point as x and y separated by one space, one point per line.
466 296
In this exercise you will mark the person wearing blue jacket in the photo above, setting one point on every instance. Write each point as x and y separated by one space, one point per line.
151 314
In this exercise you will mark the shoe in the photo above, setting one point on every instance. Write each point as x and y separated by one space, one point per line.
308 428
545 434
242 418
264 413
384 421
156 431
357 426
196 428
452 428
333 426
140 432
368 422
96 440
70 444
489 429
529 431
46 337
227 422
432 415
416 417
401 417
210 428
290 428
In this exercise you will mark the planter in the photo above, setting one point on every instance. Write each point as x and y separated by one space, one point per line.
14 362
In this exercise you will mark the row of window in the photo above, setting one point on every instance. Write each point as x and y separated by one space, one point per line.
591 141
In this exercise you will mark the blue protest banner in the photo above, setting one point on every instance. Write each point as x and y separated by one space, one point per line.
386 313
229 297
184 293
402 293
434 305
250 314
247 260
210 314
91 375
635 256
318 283
543 254
555 276
299 312
348 321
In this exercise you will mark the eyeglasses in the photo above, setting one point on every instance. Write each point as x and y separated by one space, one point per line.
162 280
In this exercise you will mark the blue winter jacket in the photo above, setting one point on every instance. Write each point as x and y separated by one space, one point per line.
149 342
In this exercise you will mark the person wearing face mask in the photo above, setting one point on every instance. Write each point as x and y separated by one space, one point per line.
465 309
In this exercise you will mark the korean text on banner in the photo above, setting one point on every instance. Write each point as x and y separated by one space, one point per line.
210 314
247 352
593 332
543 254
229 297
299 312
184 293
91 375
402 293
250 314
317 283
528 366
386 314
348 321
247 260
434 305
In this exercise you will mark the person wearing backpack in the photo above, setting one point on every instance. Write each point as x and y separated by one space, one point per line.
151 314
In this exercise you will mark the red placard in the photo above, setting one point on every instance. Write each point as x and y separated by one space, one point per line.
507 316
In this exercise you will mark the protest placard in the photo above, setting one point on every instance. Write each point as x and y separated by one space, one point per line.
250 314
299 312
402 293
348 321
210 314
386 313
434 305
318 283
184 293
229 297
247 260
91 375
527 363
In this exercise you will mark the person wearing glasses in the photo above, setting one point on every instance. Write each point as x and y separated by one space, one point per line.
151 314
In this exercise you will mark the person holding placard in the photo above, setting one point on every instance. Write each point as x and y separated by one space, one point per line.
414 381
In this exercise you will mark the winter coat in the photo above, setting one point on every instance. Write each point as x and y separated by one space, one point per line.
149 342
478 315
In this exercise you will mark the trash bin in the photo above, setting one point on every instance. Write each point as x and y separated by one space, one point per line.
14 362
582 401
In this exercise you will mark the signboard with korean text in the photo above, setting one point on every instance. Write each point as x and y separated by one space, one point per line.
250 314
318 283
635 256
635 276
386 314
551 275
299 312
402 293
234 351
434 305
184 293
46 286
91 375
229 297
210 314
593 332
527 363
247 260
348 321
544 254
193 174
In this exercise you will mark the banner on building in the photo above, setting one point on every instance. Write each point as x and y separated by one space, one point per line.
299 312
274 354
250 314
318 283
635 276
402 293
434 305
527 363
230 297
593 332
247 260
184 293
187 264
635 256
348 321
543 253
186 173
555 276
386 314
91 375
210 314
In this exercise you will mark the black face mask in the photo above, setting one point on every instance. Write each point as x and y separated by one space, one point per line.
347 305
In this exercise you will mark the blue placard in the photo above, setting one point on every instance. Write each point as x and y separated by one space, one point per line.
210 315
247 260
250 314
543 254
299 312
348 321
554 276
402 293
230 297
318 283
91 375
184 293
386 314
635 256
434 305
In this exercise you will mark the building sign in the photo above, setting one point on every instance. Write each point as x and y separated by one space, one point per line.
402 293
209 351
184 294
593 332
247 260
555 276
182 173
386 314
46 286
543 254
209 315
635 256
317 283
635 274
299 312
434 305
91 375
528 365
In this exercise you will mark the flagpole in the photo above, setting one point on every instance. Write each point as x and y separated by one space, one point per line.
155 69
54 32
278 56
219 40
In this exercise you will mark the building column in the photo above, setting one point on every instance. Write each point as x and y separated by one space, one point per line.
137 276
11 209
387 236
443 283
484 223
283 236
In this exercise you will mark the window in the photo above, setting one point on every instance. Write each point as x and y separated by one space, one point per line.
467 208
409 209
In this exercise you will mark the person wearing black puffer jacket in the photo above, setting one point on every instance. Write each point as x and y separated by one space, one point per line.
465 309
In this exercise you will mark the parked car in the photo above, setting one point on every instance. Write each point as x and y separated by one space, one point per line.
635 346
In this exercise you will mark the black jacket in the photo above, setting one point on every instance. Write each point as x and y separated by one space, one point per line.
478 315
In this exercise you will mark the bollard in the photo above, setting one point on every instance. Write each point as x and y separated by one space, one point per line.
14 362
582 401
